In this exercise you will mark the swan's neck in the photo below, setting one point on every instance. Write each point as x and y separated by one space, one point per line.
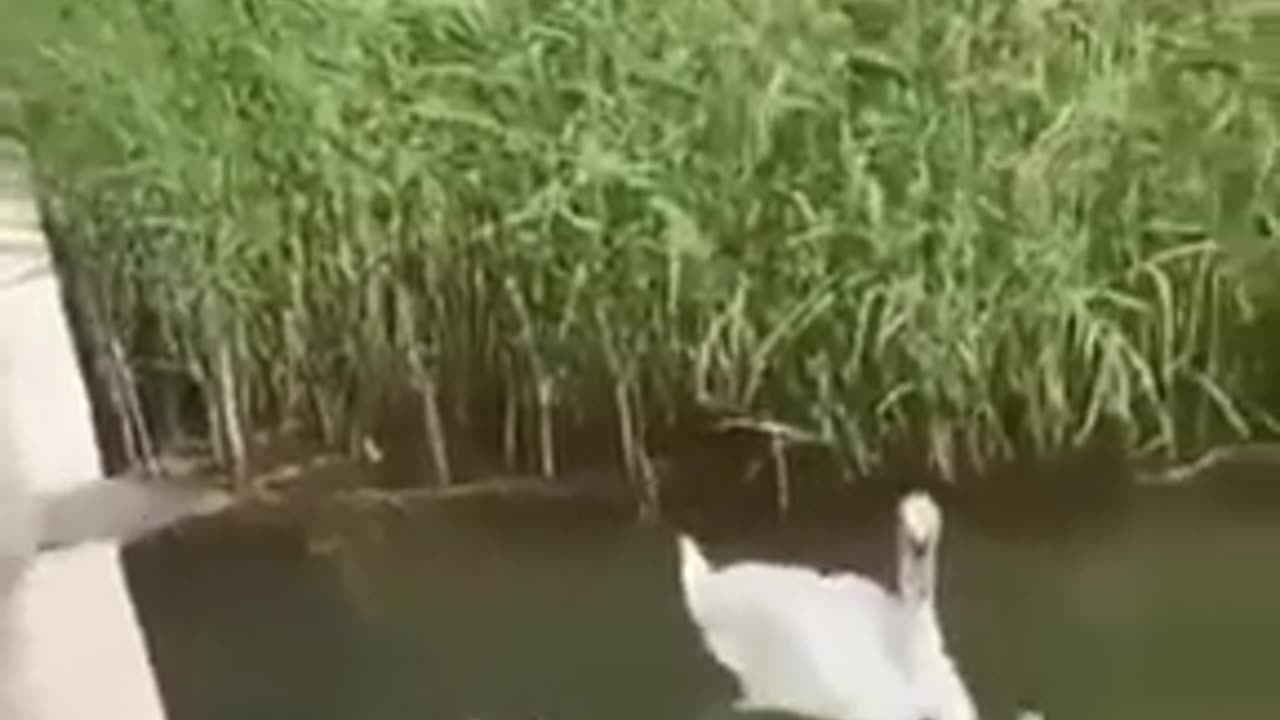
917 585
924 635
917 575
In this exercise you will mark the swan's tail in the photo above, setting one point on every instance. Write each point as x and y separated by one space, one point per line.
693 564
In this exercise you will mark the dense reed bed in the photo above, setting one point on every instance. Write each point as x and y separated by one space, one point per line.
986 229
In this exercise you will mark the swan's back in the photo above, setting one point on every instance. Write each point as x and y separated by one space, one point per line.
798 641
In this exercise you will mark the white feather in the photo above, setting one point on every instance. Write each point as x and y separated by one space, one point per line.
782 631
837 647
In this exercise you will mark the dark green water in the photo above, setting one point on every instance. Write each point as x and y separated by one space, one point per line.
1168 612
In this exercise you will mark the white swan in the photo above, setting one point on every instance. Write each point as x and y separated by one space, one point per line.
836 647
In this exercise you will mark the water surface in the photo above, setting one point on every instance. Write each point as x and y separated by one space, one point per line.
1167 612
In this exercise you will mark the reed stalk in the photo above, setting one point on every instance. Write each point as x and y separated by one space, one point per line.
992 230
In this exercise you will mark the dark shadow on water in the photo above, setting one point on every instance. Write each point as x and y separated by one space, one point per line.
467 622
244 625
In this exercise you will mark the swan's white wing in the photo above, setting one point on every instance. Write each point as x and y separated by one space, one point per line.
804 643
891 626
944 691
863 636
753 620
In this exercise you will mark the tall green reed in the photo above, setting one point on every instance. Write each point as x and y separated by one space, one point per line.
987 228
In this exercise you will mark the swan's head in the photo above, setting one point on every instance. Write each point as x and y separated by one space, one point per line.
920 522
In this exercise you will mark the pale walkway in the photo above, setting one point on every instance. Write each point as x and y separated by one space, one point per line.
70 635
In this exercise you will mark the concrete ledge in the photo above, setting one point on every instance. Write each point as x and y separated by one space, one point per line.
70 644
